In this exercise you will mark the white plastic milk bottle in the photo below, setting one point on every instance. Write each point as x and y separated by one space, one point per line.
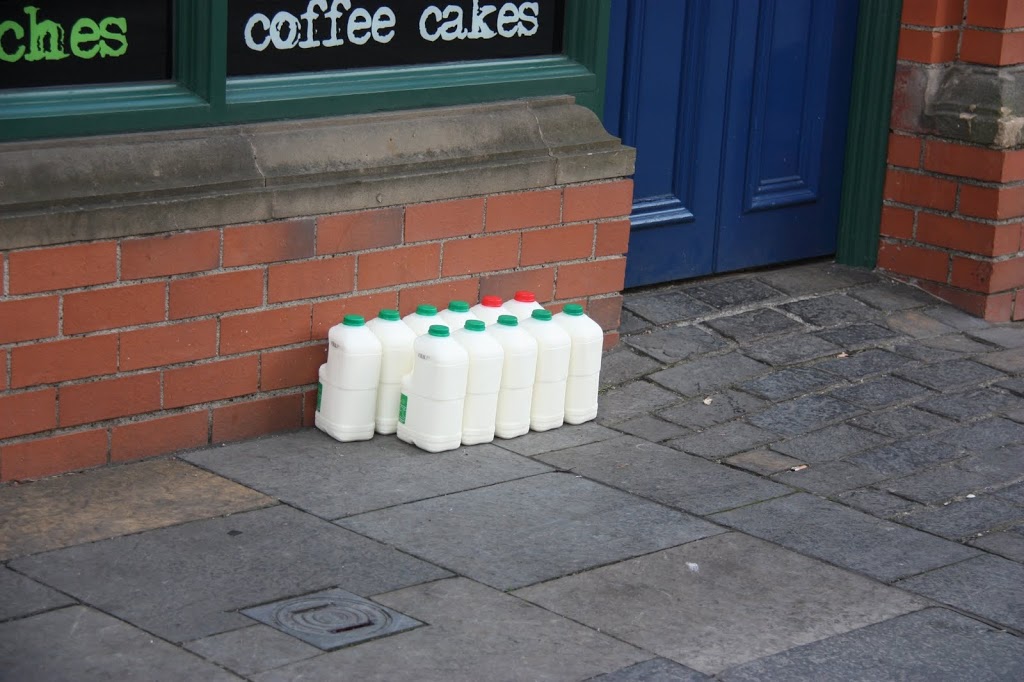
489 309
347 393
456 315
420 319
517 375
547 409
396 361
434 393
522 304
486 357
584 363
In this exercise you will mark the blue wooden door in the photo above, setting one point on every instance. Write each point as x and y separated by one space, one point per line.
738 111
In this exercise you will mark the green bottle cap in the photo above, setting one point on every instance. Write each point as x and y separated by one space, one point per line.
353 321
438 330
475 325
542 315
389 314
426 310
458 306
508 320
573 309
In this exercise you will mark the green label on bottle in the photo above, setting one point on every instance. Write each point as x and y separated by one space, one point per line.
402 405
319 394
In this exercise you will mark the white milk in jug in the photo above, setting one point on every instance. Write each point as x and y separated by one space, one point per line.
396 361
456 315
522 305
547 409
489 309
420 319
347 394
517 375
434 393
486 357
584 363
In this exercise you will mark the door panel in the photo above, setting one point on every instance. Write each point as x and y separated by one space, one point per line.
737 109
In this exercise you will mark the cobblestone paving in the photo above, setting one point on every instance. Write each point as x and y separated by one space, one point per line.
798 474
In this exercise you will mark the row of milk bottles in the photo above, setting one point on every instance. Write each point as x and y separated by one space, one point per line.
462 375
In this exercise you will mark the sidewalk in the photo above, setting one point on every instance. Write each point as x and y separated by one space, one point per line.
809 473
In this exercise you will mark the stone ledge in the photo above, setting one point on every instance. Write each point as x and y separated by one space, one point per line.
977 104
105 187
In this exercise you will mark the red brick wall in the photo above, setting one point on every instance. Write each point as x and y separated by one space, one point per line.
953 216
118 350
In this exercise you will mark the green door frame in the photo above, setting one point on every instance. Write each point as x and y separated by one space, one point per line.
867 137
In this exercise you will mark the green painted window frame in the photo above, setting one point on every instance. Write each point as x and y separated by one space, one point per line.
201 94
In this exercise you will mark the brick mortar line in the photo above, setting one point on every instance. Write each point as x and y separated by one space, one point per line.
959 179
952 251
993 222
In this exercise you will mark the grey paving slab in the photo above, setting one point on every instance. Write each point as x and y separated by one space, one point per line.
874 394
1008 543
1013 494
973 403
623 364
905 456
753 324
988 433
252 650
712 409
845 537
1015 385
925 646
943 376
877 502
788 350
863 364
664 475
521 532
938 484
948 347
705 375
764 462
987 586
815 278
723 440
23 596
187 581
474 633
829 444
676 343
104 503
1001 465
662 307
916 323
889 296
732 292
805 414
789 383
632 400
654 670
829 478
318 474
651 428
832 310
1010 361
1006 336
1017 416
859 335
742 599
537 442
955 318
902 422
966 517
81 644
630 323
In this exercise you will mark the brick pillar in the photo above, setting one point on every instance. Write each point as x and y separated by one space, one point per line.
953 215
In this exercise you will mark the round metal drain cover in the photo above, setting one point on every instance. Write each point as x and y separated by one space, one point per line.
331 619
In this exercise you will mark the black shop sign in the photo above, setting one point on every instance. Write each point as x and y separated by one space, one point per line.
70 42
288 36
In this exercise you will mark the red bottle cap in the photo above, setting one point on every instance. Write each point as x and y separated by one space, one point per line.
525 297
491 301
